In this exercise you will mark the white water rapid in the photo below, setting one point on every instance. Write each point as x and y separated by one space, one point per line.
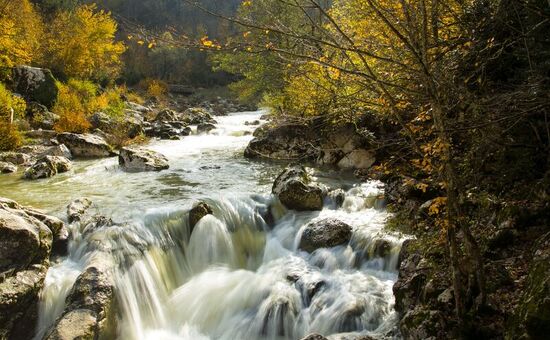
239 274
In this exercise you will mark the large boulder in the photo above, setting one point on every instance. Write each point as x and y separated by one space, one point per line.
325 234
295 190
286 142
85 145
197 115
138 159
36 84
48 166
25 245
7 168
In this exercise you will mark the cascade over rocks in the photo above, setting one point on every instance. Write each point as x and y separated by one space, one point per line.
25 245
35 84
86 145
48 166
134 159
294 189
325 233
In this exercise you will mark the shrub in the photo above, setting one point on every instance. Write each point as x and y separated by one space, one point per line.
10 138
154 88
8 102
70 107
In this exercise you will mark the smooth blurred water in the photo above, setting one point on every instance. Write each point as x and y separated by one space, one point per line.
237 275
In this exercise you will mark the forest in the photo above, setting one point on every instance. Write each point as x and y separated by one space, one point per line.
375 169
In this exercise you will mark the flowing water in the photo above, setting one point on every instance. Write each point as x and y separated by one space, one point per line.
239 274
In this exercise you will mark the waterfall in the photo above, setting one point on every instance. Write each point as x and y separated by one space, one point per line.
239 272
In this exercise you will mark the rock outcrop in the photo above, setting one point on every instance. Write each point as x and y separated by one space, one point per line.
344 146
296 191
35 84
134 159
285 142
325 233
48 166
85 145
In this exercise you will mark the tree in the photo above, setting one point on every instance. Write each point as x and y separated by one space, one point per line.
81 44
20 33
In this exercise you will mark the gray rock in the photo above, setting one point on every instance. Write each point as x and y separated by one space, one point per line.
295 190
137 107
337 196
197 115
205 127
288 142
85 145
166 115
90 306
102 121
7 168
35 84
43 137
40 117
357 159
78 209
325 234
48 166
39 151
25 244
134 159
16 158
198 211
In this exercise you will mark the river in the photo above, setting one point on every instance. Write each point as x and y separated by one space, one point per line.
235 276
